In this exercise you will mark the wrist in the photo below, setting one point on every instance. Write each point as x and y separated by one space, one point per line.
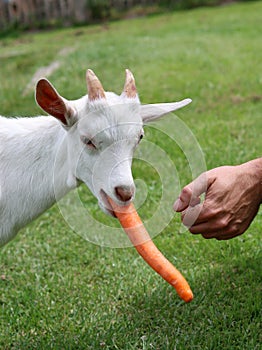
255 170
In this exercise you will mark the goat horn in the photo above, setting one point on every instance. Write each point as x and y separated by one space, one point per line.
95 88
130 85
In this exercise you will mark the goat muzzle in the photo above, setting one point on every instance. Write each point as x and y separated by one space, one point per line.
124 193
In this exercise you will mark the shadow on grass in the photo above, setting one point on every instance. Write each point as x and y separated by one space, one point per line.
225 312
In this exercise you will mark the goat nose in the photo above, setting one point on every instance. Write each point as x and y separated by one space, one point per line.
124 193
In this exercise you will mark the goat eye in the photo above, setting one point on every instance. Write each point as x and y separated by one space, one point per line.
140 137
88 142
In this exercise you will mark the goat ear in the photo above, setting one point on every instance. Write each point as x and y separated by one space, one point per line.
155 111
51 102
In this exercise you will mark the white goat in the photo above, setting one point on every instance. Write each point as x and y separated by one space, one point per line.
88 140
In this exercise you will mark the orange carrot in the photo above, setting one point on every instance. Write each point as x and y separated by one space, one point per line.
138 235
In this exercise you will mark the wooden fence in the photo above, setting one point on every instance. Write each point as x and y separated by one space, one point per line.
34 13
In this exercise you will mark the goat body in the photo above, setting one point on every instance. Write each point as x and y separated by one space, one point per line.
28 150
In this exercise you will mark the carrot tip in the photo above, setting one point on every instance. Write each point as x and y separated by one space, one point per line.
134 228
189 297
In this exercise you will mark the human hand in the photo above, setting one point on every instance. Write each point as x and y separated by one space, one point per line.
233 195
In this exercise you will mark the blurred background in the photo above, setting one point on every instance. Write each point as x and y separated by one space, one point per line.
35 14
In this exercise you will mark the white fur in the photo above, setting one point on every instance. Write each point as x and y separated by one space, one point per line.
41 159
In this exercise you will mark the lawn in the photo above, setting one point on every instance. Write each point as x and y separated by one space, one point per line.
59 290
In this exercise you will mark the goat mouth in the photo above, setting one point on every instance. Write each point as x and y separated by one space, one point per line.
106 205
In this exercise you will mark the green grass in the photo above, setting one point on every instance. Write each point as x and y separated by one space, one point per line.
59 291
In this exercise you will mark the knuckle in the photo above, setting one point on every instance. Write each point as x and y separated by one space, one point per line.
235 230
223 222
209 211
186 192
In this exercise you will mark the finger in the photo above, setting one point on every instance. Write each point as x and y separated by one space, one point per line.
201 214
207 227
214 232
191 214
209 235
220 236
195 201
190 193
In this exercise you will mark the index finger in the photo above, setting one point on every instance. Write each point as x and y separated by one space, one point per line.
189 195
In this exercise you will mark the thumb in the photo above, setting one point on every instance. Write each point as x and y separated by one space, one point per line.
190 194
